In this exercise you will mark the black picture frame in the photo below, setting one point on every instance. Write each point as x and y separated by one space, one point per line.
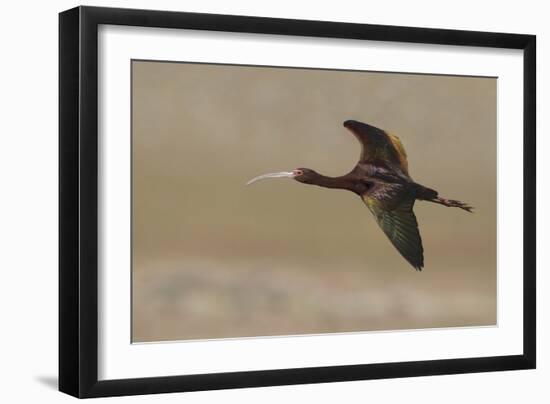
78 201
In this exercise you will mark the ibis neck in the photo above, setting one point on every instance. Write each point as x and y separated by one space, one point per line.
342 182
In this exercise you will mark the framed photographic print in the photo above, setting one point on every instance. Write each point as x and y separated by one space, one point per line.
250 201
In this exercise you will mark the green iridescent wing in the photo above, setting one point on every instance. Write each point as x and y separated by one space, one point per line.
377 144
400 226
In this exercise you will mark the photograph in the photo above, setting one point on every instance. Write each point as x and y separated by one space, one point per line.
272 201
326 201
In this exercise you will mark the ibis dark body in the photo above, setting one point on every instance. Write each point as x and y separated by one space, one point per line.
381 179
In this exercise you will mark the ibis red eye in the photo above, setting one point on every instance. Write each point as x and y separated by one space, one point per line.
298 172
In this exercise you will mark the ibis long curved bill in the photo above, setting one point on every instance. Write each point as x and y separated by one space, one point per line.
281 174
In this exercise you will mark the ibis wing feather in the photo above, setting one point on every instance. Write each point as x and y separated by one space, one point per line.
400 226
401 153
377 144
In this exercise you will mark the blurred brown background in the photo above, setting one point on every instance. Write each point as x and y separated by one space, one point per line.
213 258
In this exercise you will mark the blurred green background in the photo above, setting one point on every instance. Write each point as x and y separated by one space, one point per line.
213 258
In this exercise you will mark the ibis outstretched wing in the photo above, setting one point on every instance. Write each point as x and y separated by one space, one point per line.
400 226
379 145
